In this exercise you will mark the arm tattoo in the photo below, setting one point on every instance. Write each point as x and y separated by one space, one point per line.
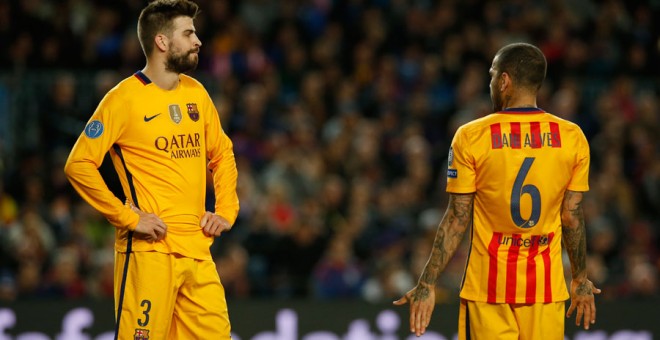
573 233
421 293
447 239
584 289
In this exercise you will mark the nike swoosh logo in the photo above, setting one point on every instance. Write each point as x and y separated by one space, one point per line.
146 119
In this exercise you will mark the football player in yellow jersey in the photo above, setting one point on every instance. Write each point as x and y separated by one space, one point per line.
163 134
518 176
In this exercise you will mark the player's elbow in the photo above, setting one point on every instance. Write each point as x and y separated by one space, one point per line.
68 170
71 167
572 215
568 220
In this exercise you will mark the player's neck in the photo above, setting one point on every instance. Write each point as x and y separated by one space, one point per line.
520 101
163 78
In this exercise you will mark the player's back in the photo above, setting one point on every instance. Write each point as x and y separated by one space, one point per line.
519 163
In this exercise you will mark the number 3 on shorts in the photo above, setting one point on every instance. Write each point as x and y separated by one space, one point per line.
146 304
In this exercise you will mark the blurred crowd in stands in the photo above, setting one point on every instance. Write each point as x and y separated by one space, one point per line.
341 113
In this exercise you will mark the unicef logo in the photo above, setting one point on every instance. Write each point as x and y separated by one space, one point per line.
94 129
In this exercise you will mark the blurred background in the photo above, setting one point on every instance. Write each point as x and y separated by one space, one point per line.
341 114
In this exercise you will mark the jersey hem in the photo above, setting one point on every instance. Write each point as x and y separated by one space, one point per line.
578 188
523 300
461 190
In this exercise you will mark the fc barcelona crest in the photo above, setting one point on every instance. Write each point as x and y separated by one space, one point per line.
141 334
175 113
192 111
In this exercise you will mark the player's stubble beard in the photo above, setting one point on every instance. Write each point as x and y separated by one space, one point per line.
181 62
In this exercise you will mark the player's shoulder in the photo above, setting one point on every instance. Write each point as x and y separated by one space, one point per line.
190 82
122 91
563 123
478 123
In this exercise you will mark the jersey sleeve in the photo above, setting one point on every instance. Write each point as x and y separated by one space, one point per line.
461 174
101 132
220 152
580 177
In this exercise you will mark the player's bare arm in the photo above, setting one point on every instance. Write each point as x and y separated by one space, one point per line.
575 243
455 222
213 224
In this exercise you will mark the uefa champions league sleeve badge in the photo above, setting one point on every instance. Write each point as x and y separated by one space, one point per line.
94 129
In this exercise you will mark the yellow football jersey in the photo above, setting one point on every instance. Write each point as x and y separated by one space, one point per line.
161 143
518 162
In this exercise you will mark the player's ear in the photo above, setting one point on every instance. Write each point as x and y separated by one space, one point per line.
161 42
504 81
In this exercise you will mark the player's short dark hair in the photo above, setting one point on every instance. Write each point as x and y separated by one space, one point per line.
158 17
525 63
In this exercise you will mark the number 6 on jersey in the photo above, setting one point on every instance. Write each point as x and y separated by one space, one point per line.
519 190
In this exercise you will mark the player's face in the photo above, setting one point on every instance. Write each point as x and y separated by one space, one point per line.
182 55
495 93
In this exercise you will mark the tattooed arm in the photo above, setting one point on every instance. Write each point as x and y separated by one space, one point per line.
575 242
449 235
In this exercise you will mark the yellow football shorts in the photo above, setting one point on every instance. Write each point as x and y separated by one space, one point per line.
502 321
168 296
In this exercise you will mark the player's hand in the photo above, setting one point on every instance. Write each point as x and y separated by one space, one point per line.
214 225
582 299
422 303
150 227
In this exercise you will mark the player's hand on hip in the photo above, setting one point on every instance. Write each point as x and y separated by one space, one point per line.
422 303
150 227
582 300
214 225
